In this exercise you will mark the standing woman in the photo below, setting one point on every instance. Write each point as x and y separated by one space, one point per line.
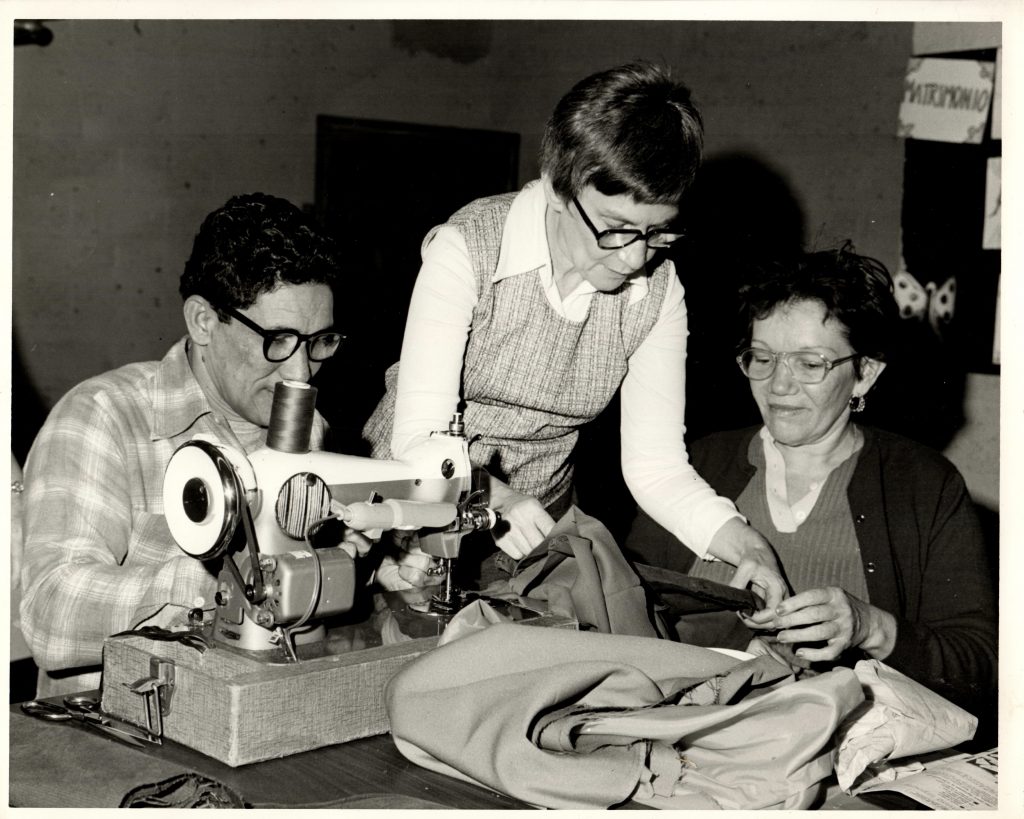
532 308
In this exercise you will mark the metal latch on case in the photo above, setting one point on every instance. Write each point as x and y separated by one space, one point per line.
156 690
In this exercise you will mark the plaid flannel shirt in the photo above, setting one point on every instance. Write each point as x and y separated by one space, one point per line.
98 556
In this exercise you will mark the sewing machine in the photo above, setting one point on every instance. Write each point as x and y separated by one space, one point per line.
261 513
266 678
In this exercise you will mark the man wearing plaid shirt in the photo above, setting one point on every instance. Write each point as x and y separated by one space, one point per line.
98 555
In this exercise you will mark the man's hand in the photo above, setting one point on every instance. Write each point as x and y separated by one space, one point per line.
833 621
411 568
524 522
745 548
356 543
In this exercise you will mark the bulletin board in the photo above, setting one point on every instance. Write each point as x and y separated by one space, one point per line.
948 281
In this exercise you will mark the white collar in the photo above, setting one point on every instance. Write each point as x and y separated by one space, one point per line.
524 245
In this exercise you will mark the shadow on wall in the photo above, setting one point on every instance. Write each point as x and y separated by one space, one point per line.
27 408
27 415
738 214
921 393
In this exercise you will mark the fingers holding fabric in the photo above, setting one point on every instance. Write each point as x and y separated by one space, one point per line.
739 544
820 624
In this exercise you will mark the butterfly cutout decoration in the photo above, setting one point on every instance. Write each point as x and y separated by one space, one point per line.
933 302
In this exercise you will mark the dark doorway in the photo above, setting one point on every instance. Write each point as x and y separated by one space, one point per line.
380 186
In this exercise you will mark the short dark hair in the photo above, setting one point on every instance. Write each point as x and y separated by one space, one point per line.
855 290
252 245
628 130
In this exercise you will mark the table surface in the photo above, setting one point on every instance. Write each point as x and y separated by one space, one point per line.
62 764
65 764
54 764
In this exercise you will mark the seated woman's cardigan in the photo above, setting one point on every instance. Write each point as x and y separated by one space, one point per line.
925 558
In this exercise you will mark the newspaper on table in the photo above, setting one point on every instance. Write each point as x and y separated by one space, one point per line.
966 782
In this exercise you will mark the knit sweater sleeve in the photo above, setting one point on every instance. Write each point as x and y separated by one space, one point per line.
945 604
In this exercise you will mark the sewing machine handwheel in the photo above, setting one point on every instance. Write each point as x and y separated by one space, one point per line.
202 499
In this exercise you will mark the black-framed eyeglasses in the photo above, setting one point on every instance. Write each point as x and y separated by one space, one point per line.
616 238
280 345
806 367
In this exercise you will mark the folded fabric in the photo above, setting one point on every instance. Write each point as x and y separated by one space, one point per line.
899 718
585 720
471 618
581 572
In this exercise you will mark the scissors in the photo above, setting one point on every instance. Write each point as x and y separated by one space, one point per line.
85 709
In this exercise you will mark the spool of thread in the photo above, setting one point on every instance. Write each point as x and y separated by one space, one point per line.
291 417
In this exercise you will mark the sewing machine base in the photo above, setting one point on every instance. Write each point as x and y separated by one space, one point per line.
241 707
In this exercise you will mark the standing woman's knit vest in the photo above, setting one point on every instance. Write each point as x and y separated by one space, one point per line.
530 377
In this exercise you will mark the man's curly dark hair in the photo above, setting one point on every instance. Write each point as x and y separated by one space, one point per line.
252 245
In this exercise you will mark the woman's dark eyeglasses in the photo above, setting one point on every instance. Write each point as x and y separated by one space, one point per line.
280 345
806 367
623 237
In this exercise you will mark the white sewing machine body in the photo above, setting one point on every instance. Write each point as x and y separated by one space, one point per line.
276 583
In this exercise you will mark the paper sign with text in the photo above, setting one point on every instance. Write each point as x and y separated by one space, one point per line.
991 238
997 99
946 100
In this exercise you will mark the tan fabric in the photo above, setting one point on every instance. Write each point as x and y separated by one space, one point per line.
675 726
580 571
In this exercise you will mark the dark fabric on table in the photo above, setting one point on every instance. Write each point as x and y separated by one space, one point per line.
188 790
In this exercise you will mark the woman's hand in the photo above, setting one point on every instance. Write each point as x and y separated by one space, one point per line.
745 548
524 522
834 620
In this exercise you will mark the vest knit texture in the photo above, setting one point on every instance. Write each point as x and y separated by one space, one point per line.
530 377
823 551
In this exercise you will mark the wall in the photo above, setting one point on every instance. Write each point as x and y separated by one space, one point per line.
126 133
975 447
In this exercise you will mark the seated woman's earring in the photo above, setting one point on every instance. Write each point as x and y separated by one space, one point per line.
857 403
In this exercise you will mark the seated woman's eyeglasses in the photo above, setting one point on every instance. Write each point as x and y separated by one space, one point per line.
806 367
616 238
280 345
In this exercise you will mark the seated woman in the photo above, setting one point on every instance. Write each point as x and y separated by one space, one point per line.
875 533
